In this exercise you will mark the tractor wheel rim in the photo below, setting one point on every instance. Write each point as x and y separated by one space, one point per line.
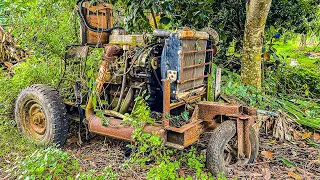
230 152
35 120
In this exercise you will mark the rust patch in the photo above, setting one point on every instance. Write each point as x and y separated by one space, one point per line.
118 131
166 103
209 110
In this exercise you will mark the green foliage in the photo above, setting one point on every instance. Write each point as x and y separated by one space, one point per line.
147 147
279 92
107 173
165 170
34 71
50 163
11 143
150 148
296 15
303 82
288 163
196 161
46 26
175 14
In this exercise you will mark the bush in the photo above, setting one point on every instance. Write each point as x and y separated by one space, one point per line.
50 163
34 71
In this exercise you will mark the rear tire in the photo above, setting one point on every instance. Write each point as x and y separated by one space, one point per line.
41 115
220 138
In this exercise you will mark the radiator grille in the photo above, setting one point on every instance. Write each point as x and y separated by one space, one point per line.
192 64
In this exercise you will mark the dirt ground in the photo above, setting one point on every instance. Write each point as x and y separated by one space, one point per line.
277 160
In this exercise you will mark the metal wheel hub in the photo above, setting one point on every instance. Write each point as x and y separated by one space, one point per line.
36 122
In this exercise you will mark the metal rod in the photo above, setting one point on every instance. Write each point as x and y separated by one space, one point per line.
124 80
197 65
193 79
166 103
196 51
218 84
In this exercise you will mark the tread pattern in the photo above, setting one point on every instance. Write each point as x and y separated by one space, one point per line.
218 141
54 107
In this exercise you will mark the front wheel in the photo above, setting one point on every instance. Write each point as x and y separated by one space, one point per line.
222 148
41 115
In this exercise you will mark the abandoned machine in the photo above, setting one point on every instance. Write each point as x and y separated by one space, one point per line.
171 67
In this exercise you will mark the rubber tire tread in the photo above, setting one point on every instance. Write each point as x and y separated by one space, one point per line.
55 108
218 141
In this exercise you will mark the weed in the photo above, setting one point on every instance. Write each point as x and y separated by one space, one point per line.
49 163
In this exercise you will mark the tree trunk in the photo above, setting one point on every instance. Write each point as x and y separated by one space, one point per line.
303 41
257 12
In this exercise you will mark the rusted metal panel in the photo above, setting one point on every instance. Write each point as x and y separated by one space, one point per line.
240 138
99 17
185 135
192 79
243 131
166 103
209 110
249 111
115 130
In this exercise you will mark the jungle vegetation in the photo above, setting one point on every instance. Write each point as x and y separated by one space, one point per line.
289 31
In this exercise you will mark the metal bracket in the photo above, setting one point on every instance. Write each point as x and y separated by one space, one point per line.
243 130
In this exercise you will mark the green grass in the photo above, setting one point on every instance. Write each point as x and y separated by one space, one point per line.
291 50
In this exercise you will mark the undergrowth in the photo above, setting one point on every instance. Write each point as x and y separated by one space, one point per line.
150 148
289 93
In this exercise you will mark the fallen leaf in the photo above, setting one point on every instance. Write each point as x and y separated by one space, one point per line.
236 171
77 155
89 158
181 173
288 163
316 137
297 135
307 135
272 142
73 139
8 64
268 155
294 175
266 173
97 153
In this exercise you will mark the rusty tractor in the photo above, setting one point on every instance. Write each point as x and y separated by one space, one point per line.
172 67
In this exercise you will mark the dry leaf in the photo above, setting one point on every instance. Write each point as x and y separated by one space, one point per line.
181 173
8 64
77 155
316 137
307 135
294 175
89 158
297 135
268 155
266 173
73 139
97 153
